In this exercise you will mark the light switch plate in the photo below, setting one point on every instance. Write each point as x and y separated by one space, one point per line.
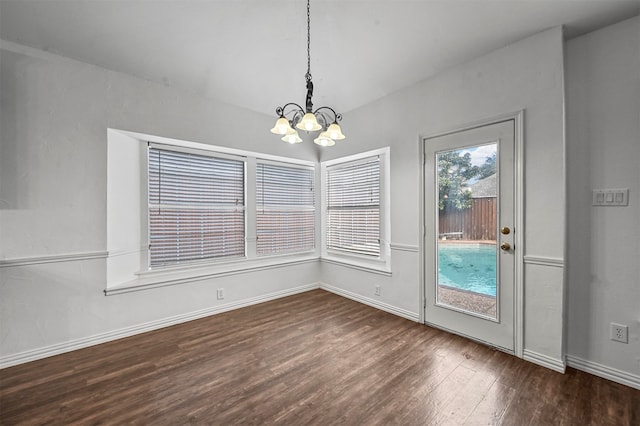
610 197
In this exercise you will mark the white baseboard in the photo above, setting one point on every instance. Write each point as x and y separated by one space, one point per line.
544 360
371 302
59 348
603 371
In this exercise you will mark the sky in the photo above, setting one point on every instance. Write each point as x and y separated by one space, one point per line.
479 153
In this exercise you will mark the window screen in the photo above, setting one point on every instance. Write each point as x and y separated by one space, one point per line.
285 203
353 207
196 207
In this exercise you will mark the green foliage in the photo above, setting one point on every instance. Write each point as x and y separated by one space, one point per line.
488 168
454 173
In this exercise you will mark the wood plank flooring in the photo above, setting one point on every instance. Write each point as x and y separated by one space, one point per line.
310 359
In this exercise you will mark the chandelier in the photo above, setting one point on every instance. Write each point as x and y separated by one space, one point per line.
323 118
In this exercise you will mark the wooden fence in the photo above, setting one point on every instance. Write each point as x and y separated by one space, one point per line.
476 223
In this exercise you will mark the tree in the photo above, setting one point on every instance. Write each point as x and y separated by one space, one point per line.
488 168
454 172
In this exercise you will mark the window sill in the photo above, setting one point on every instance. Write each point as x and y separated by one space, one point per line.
379 267
185 274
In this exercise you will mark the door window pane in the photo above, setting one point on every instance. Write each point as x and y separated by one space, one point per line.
467 225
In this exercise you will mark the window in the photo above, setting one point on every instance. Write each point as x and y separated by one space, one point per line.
355 209
285 203
196 207
179 211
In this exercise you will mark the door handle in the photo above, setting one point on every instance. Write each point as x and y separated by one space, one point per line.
505 246
505 230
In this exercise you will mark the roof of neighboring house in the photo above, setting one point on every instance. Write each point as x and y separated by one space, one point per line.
484 188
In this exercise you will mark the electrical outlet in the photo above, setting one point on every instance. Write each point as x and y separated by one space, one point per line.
619 333
220 293
377 291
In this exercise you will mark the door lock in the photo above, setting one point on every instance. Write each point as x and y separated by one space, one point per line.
505 246
505 230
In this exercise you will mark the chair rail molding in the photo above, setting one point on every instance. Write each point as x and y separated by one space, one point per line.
52 258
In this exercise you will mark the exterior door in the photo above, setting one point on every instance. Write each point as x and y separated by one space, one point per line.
469 233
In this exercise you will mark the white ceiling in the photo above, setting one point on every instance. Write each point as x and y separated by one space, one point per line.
253 53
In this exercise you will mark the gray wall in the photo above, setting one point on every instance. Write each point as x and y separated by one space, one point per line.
603 151
525 75
53 202
53 165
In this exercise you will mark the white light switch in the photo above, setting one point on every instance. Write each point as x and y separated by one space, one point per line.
610 197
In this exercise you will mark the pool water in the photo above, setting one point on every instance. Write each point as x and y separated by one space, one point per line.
469 267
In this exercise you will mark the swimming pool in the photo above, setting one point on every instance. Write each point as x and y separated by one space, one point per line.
469 267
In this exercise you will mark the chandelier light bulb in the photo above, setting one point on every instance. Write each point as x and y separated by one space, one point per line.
292 138
282 127
309 123
335 132
324 140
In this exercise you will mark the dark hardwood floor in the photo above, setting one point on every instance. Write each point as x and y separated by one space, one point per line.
314 358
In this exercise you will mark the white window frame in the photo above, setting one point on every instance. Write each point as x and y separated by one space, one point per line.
383 262
128 259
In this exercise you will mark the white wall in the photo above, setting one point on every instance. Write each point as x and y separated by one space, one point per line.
525 75
603 151
53 202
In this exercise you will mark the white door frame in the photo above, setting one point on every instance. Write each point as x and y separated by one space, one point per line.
518 118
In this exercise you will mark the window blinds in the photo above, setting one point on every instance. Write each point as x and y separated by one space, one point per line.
285 202
196 207
353 207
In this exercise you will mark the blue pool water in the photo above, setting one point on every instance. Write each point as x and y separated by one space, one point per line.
469 267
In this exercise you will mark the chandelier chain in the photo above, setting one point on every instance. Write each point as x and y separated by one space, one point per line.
308 74
324 119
